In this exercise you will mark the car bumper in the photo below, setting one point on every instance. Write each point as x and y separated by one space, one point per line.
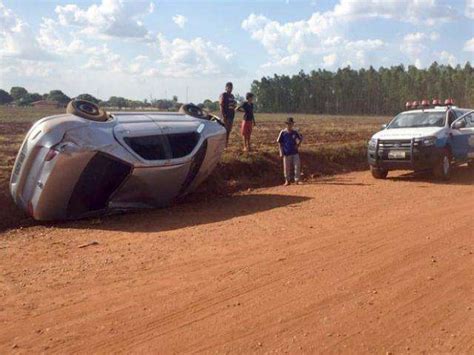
416 158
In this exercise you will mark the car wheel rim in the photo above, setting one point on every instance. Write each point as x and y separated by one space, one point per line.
445 165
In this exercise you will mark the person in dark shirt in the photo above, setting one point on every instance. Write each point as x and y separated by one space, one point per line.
248 120
227 104
289 141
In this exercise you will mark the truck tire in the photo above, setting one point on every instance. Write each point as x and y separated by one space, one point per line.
442 168
379 173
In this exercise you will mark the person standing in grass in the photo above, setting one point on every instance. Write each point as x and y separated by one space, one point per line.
227 104
248 121
289 140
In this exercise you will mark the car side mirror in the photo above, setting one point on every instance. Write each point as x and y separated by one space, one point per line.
384 126
459 124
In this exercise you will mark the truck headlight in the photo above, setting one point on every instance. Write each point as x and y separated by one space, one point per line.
372 143
426 141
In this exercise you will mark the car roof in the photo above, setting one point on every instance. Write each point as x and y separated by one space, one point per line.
436 109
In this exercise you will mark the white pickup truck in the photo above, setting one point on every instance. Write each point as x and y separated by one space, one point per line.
431 137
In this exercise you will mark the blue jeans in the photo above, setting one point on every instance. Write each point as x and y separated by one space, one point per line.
292 167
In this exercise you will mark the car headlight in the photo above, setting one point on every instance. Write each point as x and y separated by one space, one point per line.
372 143
426 141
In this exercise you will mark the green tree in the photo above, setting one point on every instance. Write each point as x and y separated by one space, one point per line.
117 101
17 92
5 97
29 98
88 97
363 91
58 96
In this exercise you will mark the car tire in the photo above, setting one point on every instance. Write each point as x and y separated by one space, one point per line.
194 111
87 110
378 173
442 169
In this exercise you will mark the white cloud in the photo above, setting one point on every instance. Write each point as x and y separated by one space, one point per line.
330 60
17 39
428 12
180 20
469 11
447 58
469 45
52 39
300 44
112 18
185 58
415 46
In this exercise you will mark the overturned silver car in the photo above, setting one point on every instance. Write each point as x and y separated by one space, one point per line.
88 162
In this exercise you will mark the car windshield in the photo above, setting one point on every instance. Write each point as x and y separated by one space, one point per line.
418 119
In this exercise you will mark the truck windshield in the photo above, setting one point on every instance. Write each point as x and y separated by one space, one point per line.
418 119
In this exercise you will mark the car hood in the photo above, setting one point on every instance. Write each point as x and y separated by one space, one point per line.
407 133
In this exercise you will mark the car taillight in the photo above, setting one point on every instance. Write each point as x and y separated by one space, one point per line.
51 154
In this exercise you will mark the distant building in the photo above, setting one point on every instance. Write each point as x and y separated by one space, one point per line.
46 103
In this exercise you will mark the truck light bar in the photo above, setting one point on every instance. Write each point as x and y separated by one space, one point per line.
426 103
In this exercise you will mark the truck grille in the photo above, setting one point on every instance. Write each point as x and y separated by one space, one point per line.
395 144
395 150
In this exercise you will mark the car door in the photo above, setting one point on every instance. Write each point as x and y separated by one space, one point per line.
462 133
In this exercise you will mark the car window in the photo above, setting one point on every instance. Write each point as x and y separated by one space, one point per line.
418 119
149 147
163 146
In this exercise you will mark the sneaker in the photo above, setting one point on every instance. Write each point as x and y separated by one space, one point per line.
298 182
286 183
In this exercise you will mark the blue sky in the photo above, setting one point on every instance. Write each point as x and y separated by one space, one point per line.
152 48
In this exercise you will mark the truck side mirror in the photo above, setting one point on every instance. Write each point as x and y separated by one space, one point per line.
459 124
384 126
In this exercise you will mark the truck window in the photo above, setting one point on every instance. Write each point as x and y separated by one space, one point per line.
451 117
470 120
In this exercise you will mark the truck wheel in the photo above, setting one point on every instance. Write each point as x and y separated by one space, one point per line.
378 173
442 169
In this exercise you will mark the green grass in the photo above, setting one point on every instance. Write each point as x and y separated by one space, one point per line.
26 114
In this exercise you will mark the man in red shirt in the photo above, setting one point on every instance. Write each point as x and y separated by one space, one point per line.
227 104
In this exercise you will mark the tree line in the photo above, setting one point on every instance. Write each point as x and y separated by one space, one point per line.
346 91
363 91
19 96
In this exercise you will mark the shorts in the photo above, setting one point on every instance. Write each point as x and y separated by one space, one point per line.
246 128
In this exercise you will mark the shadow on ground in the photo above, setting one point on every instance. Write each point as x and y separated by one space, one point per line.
191 214
461 175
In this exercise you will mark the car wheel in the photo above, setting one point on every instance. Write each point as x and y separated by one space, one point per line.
87 110
194 111
442 169
379 173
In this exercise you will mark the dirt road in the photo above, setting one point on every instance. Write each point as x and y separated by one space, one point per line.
341 264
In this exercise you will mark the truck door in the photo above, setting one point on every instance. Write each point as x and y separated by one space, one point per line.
462 132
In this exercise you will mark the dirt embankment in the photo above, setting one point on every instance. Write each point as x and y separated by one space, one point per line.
342 264
237 172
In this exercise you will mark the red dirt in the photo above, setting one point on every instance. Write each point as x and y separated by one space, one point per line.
346 264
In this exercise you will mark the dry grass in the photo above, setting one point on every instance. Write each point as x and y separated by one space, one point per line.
331 144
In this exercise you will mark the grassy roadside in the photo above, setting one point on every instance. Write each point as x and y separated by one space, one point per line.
239 172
